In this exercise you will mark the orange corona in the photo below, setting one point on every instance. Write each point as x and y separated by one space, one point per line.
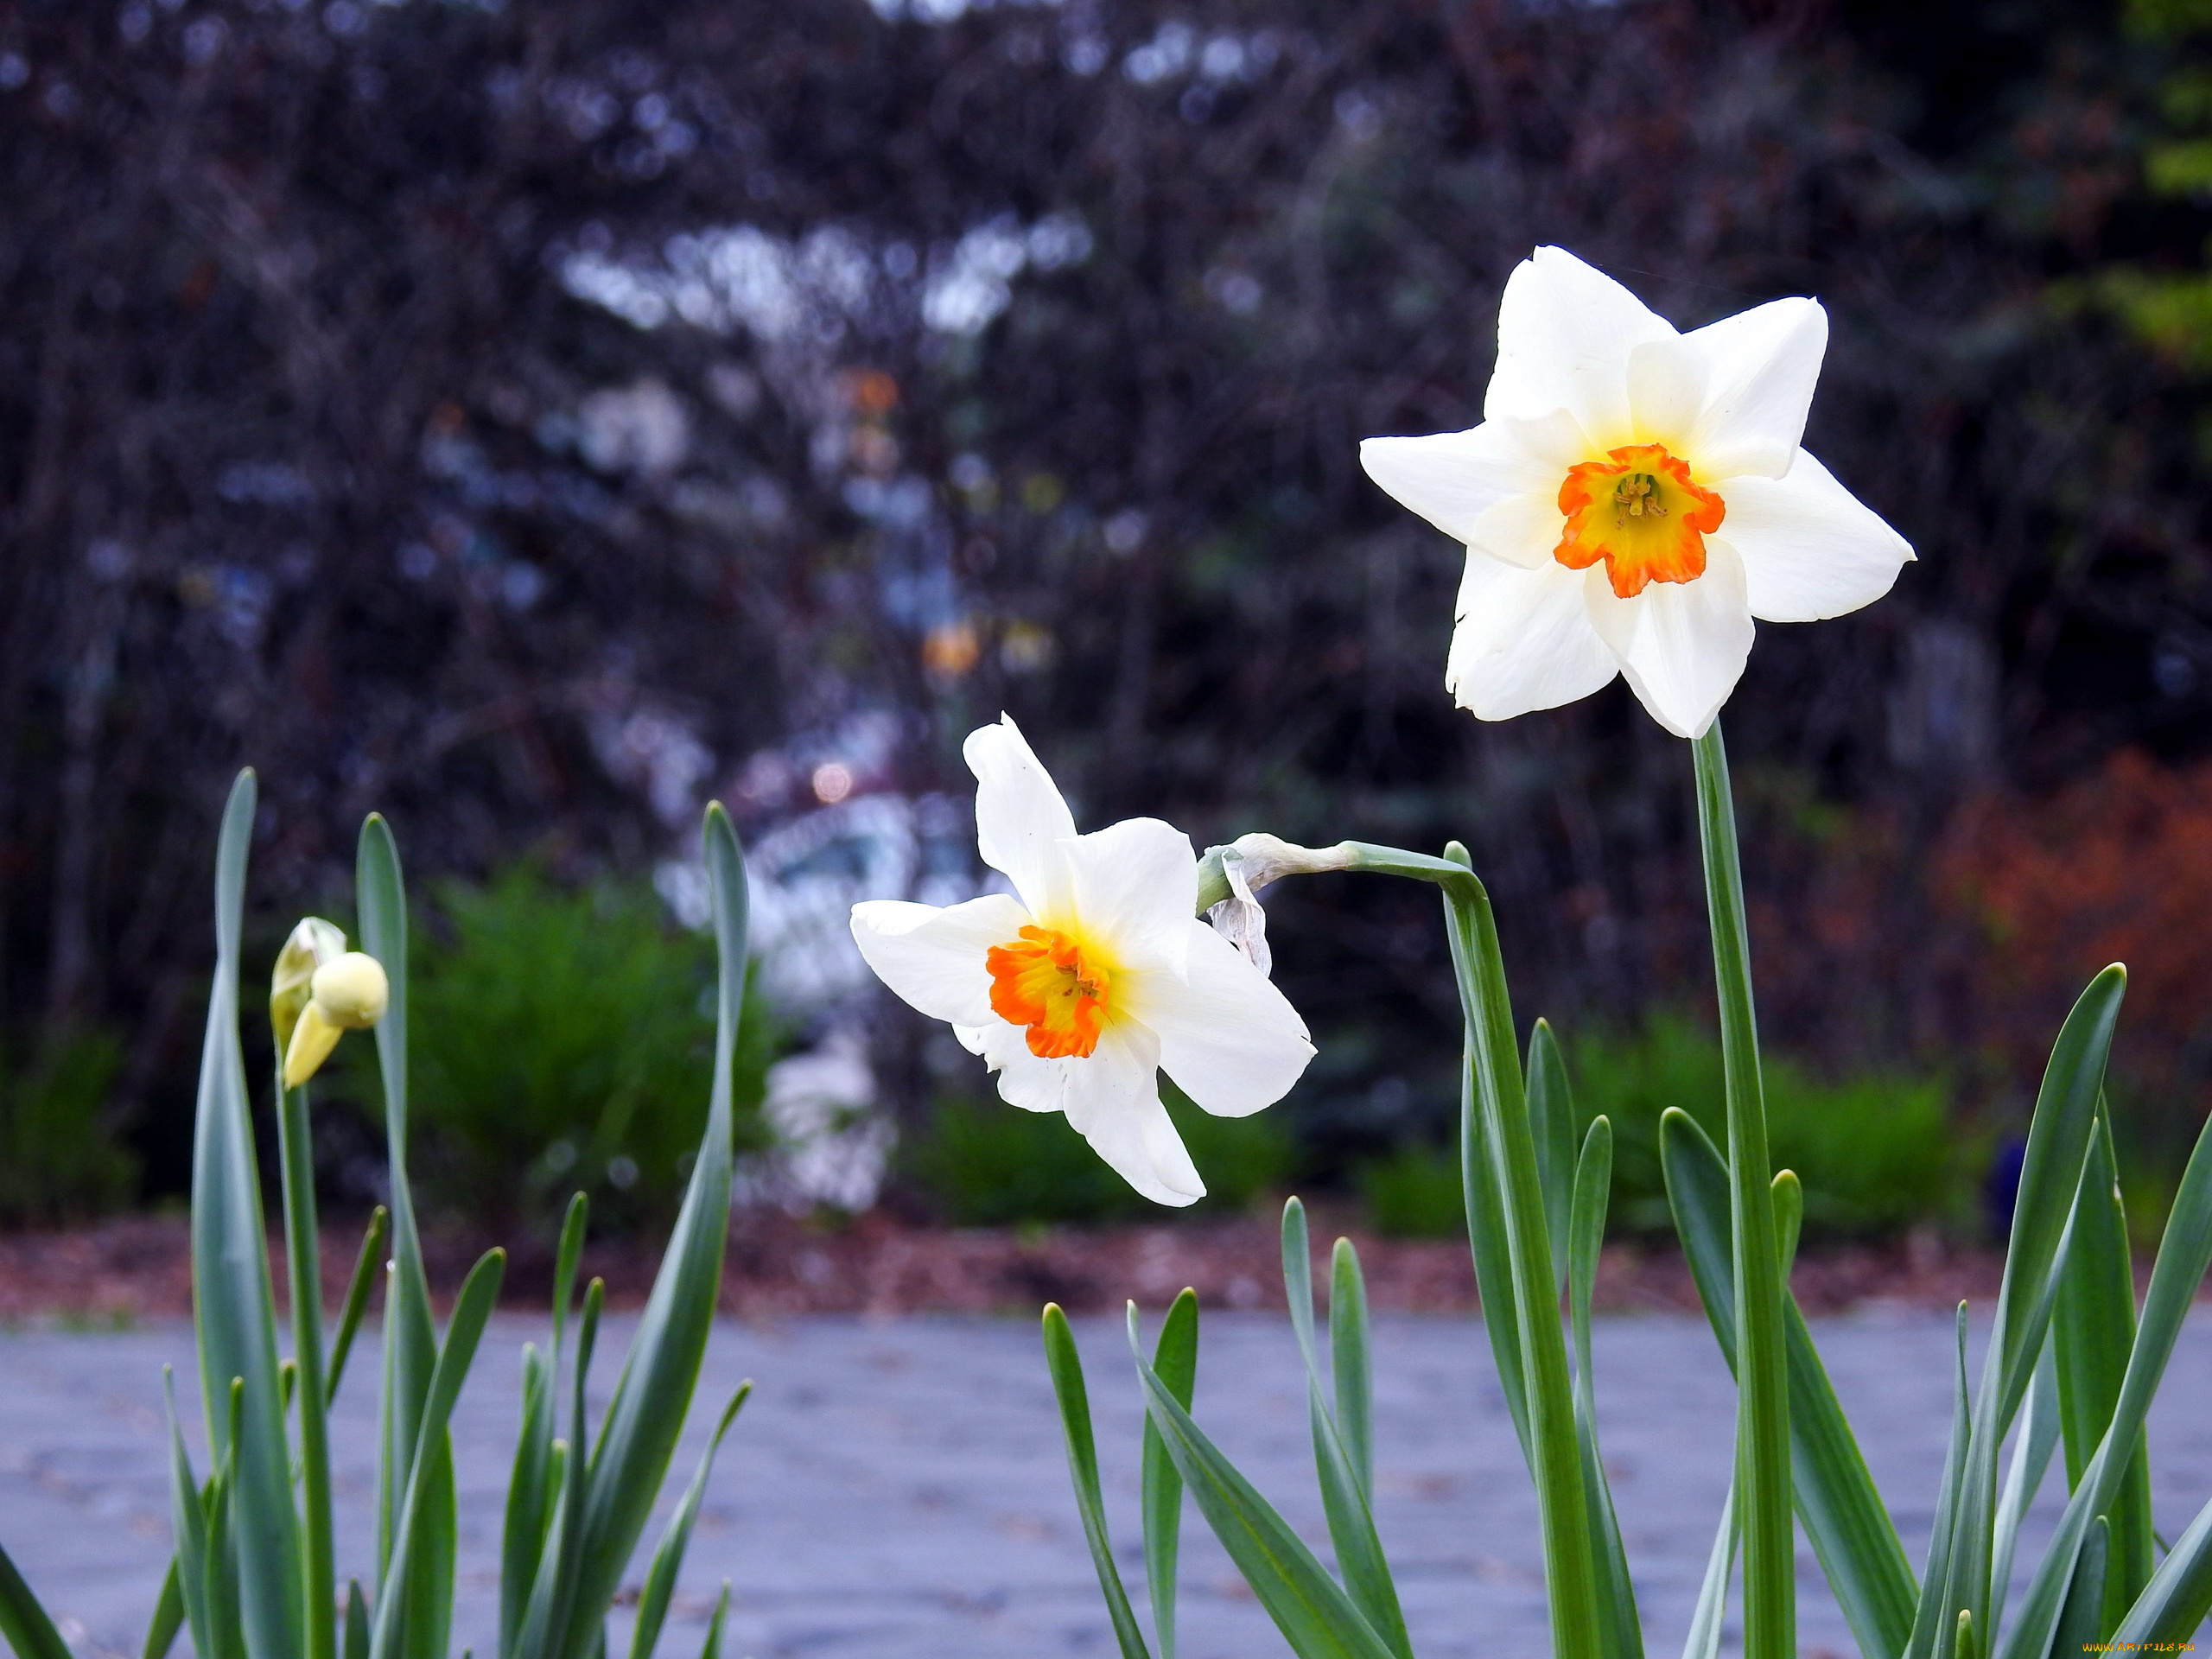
1641 512
1044 981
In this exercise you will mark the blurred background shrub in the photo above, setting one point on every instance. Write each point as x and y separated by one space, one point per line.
979 1162
561 1041
1879 1151
60 1160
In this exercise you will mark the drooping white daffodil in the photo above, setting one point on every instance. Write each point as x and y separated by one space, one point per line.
1634 498
1092 977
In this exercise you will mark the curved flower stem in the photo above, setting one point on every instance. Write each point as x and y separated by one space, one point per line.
1762 1421
295 1156
1496 1128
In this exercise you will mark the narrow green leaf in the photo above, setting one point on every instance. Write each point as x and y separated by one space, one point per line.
1343 1499
1934 1621
1351 1372
1312 1611
713 1647
357 1622
1551 1124
2178 1598
188 1525
304 1371
1160 1488
1763 1450
1584 1239
366 1268
480 1293
1789 1216
2031 1452
1065 1366
1842 1513
2093 1327
169 1616
23 1623
1493 1258
234 1309
522 1536
2082 1619
667 1559
2183 1254
662 1368
411 1341
1704 1640
2060 1136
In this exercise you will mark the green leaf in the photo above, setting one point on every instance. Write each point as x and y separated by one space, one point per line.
188 1526
662 1368
357 1622
2031 1452
1312 1611
417 1545
169 1616
366 1266
410 1340
23 1623
2178 1598
1065 1366
1932 1620
2081 1620
1160 1488
522 1536
713 1647
667 1559
1711 1611
2183 1254
1351 1372
1842 1513
1789 1216
1551 1124
234 1309
1764 1452
2093 1328
1585 1238
1343 1499
304 1371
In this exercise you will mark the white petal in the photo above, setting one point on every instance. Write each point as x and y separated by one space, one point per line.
1564 333
1135 885
1810 548
1025 1080
1522 530
1682 644
934 958
1114 1104
1453 478
1666 391
1021 822
1759 369
1227 1037
1524 640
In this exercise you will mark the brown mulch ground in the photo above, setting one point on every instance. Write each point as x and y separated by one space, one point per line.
139 1267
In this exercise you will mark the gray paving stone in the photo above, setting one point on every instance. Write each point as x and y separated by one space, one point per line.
898 1491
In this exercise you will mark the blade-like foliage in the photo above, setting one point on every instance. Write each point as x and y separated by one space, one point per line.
667 1559
366 1266
1551 1123
1933 1622
1160 1488
1309 1607
1352 1369
1585 1235
630 1459
2178 1598
2031 1453
23 1623
1837 1502
233 1312
1704 1639
1065 1366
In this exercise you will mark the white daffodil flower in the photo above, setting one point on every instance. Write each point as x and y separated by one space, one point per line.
1633 498
1092 977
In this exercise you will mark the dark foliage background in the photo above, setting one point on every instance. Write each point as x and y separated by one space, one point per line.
512 418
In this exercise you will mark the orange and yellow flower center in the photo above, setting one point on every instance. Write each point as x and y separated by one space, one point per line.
1641 512
1043 980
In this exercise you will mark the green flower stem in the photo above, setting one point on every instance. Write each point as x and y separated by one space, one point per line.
1763 1423
319 1572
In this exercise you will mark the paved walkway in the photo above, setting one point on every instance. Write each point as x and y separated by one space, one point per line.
897 1491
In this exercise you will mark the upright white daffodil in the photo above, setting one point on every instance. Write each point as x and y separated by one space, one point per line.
1633 498
1094 977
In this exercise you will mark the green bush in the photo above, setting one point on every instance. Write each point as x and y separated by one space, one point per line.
560 1041
1878 1151
59 1161
983 1163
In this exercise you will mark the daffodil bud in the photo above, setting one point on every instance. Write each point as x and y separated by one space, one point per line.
348 993
313 942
